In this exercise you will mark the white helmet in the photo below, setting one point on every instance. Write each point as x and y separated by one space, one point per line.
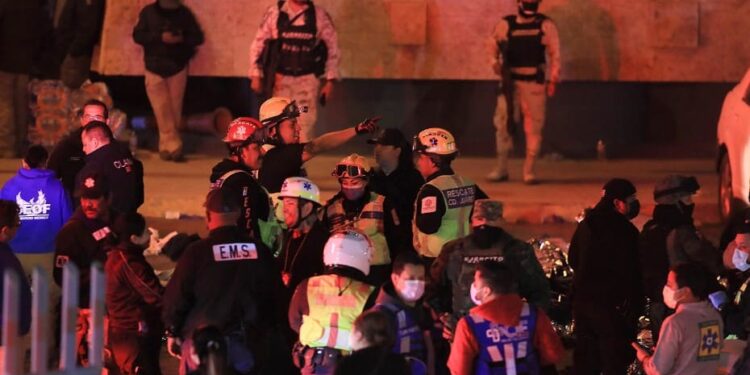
349 248
300 187
435 141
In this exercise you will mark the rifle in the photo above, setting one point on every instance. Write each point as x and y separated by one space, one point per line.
505 87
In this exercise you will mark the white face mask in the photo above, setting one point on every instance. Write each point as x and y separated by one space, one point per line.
739 259
412 290
669 297
473 294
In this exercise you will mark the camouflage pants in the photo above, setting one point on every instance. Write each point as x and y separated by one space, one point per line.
303 89
14 104
529 101
165 95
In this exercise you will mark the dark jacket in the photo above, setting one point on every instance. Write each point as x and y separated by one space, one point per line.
123 175
453 271
400 188
133 290
81 241
255 202
80 27
67 159
302 257
374 360
604 256
161 58
20 34
218 282
9 261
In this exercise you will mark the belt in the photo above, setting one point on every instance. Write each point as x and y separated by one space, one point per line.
294 72
524 77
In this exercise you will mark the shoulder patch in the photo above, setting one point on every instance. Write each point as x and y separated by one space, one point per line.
710 344
234 251
429 205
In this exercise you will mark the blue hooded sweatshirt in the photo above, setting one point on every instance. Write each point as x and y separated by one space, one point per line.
44 208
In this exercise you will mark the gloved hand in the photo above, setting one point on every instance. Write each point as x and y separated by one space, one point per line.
173 346
369 125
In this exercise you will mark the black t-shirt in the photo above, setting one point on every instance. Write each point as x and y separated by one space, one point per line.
280 163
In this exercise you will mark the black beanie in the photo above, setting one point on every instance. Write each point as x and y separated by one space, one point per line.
618 188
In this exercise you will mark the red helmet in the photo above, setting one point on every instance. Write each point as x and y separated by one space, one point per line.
244 129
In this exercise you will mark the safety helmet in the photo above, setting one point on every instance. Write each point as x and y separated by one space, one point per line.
244 130
277 109
673 187
353 165
350 248
300 187
436 141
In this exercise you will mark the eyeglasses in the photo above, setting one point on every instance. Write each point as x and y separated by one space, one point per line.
347 170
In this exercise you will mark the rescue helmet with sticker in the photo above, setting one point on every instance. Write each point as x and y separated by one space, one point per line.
435 141
354 165
244 130
300 187
674 187
277 109
348 248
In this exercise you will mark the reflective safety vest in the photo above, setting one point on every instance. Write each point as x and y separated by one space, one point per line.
369 221
409 337
335 302
506 350
458 194
270 230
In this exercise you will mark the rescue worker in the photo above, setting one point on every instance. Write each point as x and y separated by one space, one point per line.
324 307
295 44
443 205
280 117
67 157
223 281
357 206
235 173
401 300
607 293
525 52
133 299
504 334
671 238
372 340
453 271
735 259
398 180
124 174
83 240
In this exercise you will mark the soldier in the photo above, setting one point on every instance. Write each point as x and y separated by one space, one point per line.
287 56
526 53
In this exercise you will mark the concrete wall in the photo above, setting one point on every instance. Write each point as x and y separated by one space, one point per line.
603 40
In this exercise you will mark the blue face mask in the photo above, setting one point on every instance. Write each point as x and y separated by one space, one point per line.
739 260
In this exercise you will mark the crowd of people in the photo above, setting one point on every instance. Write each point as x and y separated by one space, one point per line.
405 270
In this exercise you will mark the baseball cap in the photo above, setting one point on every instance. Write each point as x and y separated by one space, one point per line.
93 186
390 137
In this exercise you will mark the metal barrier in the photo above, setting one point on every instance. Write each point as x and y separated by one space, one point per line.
12 359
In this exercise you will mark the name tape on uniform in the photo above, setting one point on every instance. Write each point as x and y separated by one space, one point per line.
226 252
459 197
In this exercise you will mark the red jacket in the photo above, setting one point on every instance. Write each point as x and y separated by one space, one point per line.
505 310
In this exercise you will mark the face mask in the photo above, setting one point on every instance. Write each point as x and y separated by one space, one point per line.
687 209
353 194
473 294
633 209
739 259
670 297
412 290
528 9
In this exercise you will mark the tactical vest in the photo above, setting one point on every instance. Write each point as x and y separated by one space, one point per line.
409 336
332 311
458 194
369 221
270 230
467 257
525 48
506 350
297 43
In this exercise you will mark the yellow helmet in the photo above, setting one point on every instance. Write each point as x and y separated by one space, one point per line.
435 141
353 165
278 109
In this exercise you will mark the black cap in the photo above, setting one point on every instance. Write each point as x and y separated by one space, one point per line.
618 188
222 201
390 137
93 186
